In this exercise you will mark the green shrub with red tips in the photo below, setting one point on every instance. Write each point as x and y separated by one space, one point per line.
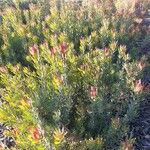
68 79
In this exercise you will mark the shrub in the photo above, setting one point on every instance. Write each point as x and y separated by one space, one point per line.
70 80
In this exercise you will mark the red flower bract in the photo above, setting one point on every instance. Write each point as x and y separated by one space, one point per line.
63 47
93 92
35 133
106 52
52 51
15 68
33 50
126 145
141 65
138 86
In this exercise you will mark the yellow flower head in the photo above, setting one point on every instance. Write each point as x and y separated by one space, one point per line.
59 135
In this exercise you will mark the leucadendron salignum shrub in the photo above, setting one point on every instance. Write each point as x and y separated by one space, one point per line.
67 80
86 96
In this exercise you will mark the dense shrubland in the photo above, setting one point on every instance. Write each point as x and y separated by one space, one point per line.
70 75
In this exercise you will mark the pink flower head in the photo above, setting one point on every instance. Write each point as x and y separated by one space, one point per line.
52 51
63 47
141 65
138 86
3 69
106 52
2 146
15 68
127 145
33 50
93 92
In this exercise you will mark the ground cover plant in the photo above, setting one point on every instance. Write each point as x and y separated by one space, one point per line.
70 74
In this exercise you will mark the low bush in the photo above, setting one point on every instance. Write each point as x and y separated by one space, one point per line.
70 79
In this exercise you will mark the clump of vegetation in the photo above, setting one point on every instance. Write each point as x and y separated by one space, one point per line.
69 75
